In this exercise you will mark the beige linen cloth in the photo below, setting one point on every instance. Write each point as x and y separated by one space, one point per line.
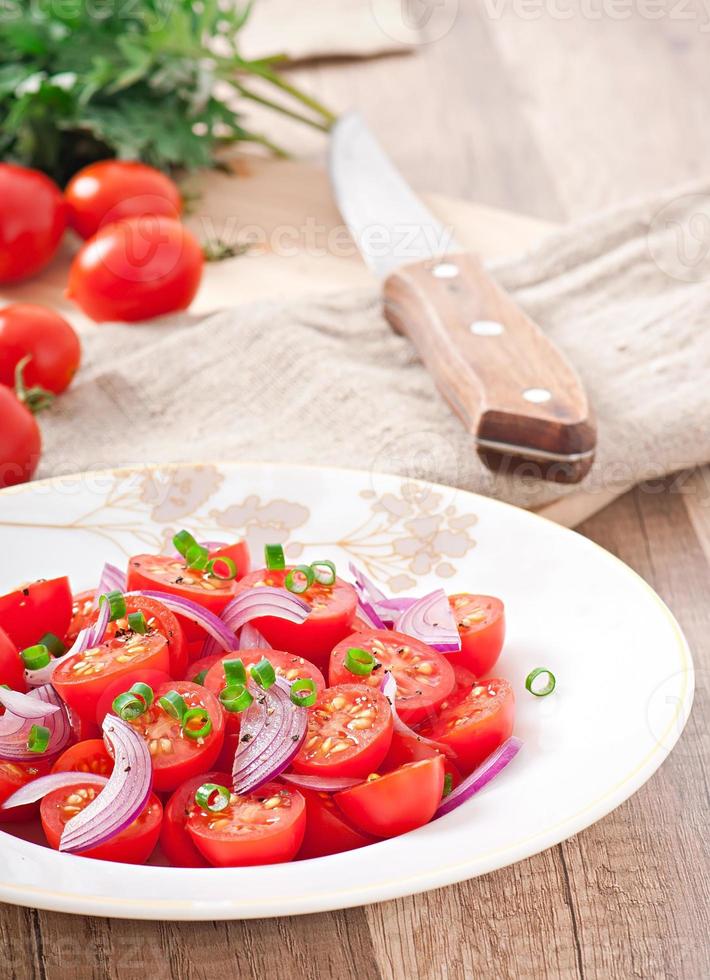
327 381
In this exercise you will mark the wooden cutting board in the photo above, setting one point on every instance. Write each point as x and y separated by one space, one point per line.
297 245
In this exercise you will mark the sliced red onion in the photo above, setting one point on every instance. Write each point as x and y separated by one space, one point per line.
251 639
87 638
13 739
389 689
210 623
480 777
321 784
431 620
112 580
369 614
272 731
39 788
365 585
25 705
264 600
123 798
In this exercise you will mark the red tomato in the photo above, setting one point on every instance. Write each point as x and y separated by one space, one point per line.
158 617
81 679
475 725
424 678
134 845
47 338
175 841
265 827
349 733
481 623
197 670
285 665
90 757
112 190
12 670
32 221
136 269
327 830
161 573
400 801
332 613
119 685
13 776
239 553
176 756
410 748
35 609
82 615
20 440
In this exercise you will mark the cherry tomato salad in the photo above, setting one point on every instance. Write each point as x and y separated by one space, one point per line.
244 717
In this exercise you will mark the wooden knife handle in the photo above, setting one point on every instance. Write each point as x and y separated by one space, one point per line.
510 384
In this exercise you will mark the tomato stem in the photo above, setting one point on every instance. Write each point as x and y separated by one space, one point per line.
34 398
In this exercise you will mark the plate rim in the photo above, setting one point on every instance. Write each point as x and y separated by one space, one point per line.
327 900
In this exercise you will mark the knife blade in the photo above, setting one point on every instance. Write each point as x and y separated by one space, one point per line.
513 388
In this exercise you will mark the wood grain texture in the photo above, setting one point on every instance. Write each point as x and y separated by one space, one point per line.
485 377
544 117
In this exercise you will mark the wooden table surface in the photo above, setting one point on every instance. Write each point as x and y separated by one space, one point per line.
554 117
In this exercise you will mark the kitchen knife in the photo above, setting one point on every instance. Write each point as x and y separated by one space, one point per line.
515 391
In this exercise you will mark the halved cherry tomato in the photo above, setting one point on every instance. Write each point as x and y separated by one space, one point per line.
349 732
265 827
32 221
197 670
29 612
81 679
476 724
158 617
327 830
176 756
285 665
397 802
82 615
134 845
90 757
331 617
111 190
119 685
28 330
239 553
481 623
424 678
410 748
12 670
162 573
175 841
13 776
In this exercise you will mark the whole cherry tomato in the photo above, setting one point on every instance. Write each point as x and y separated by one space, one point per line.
111 190
20 440
44 336
33 217
136 269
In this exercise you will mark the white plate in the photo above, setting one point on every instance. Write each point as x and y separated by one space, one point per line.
624 672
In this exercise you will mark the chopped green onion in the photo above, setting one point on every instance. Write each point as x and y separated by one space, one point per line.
53 644
196 714
116 604
235 698
274 557
136 622
299 579
199 678
448 784
324 572
263 673
212 797
222 568
548 682
359 661
38 739
128 706
174 705
197 557
234 672
144 692
183 541
304 692
36 657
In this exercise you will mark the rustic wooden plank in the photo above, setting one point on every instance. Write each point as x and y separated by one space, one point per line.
696 497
